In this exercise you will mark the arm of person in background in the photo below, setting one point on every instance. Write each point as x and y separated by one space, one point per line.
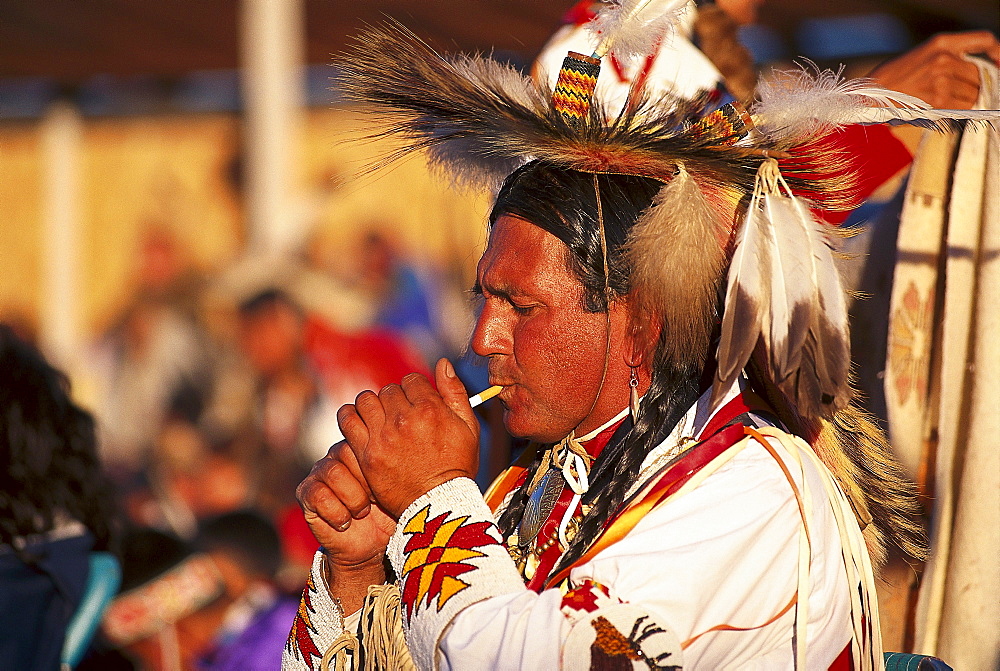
937 72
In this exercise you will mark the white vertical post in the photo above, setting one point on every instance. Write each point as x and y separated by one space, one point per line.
273 81
62 132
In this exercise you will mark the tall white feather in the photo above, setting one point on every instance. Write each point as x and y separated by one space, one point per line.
807 340
748 296
633 27
829 323
937 119
798 105
792 281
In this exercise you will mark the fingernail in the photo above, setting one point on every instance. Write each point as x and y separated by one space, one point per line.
364 513
345 526
449 370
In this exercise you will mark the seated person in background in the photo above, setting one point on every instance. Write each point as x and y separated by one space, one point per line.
168 609
247 550
56 506
210 606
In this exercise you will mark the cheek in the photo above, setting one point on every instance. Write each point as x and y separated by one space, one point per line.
563 357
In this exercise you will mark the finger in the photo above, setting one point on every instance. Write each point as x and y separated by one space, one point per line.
352 426
971 42
454 393
418 388
345 486
393 399
964 72
319 502
965 96
369 407
950 93
350 460
994 53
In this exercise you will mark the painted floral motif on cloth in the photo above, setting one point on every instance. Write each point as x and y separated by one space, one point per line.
586 597
910 344
437 553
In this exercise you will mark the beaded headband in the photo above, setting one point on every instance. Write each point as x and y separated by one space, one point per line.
148 609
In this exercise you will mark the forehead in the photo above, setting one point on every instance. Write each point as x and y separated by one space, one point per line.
522 258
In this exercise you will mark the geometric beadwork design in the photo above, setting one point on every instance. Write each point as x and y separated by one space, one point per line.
730 123
575 86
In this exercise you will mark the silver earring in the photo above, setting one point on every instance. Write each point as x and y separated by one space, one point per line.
633 384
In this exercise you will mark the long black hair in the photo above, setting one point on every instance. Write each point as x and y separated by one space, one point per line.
48 451
563 202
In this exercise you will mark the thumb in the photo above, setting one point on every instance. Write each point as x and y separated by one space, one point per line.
454 394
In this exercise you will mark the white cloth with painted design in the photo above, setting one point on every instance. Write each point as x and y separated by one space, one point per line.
725 554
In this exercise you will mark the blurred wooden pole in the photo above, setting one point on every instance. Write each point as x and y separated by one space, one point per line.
59 331
273 84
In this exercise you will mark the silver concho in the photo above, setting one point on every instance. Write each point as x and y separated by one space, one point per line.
539 505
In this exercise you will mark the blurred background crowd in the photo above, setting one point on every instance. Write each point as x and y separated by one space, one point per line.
189 234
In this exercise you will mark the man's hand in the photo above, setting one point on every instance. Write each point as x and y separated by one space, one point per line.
409 438
337 504
936 71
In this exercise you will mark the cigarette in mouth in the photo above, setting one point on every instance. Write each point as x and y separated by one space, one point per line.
484 396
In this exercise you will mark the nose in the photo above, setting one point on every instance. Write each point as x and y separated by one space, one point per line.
492 334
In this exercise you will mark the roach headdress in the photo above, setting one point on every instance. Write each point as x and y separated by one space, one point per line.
724 202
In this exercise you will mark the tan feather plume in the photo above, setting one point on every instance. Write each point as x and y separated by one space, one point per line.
677 253
857 453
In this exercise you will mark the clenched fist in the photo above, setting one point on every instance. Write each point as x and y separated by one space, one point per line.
409 437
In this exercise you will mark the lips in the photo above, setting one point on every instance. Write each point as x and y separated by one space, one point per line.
498 379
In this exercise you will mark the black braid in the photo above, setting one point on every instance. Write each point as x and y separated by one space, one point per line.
672 391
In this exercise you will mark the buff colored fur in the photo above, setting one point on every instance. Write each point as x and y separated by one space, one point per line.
677 253
856 451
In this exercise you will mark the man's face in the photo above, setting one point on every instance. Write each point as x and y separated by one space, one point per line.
271 339
544 349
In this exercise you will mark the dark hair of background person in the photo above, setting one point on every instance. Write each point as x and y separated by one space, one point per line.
563 202
248 536
49 466
267 299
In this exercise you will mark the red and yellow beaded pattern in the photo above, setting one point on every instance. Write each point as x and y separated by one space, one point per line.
730 122
575 86
438 551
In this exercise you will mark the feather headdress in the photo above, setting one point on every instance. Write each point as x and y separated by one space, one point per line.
479 121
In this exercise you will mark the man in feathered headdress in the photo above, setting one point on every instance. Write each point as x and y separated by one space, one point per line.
665 320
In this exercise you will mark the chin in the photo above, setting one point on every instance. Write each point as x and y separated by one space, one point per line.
520 426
